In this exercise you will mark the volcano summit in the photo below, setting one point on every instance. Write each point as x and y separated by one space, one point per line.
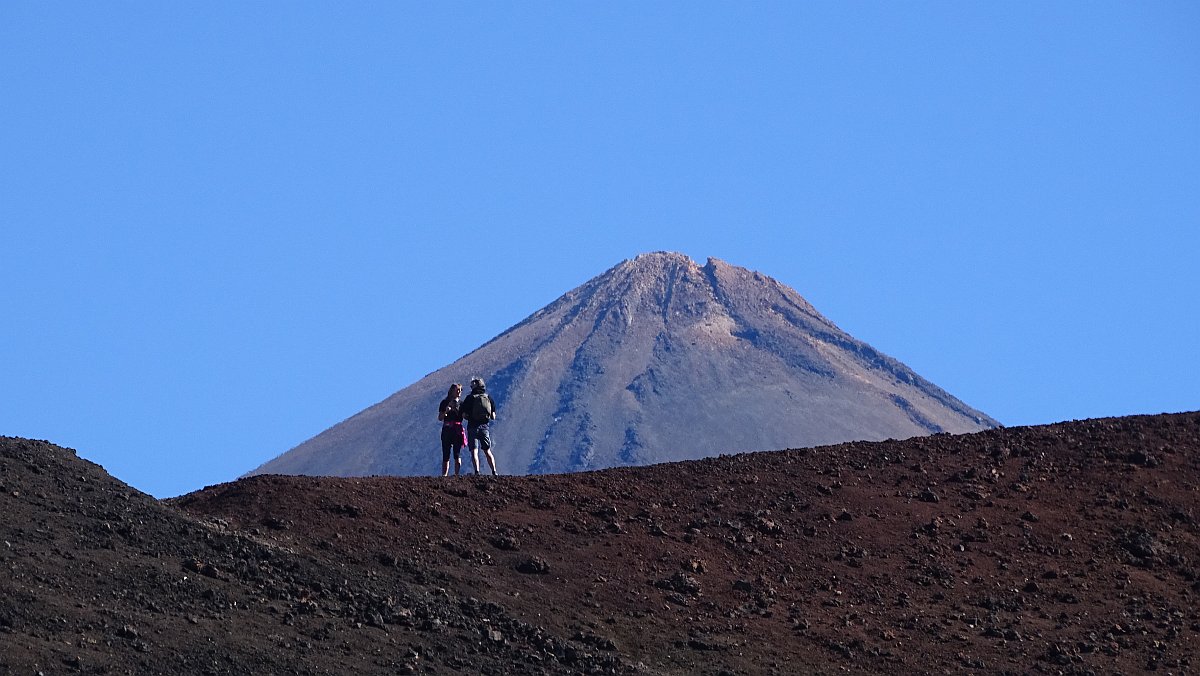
658 359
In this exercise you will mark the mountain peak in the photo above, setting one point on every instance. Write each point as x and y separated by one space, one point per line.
666 260
654 265
656 359
662 258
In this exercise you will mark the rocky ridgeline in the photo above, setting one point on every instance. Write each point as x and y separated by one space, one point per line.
99 578
1070 548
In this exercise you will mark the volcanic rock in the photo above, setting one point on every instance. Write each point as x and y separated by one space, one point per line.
907 586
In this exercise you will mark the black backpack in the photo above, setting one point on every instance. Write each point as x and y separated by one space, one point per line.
480 408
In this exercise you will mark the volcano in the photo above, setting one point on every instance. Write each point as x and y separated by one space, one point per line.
658 359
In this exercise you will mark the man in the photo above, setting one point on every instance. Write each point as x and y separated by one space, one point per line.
479 410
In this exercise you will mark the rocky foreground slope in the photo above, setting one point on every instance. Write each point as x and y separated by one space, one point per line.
1070 548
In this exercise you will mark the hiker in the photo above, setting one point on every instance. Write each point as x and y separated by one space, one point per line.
479 409
454 437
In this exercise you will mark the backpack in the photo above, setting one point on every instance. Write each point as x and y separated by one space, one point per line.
480 409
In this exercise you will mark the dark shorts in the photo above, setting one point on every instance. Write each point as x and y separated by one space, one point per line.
479 433
452 439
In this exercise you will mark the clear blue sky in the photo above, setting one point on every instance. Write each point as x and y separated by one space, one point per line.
227 226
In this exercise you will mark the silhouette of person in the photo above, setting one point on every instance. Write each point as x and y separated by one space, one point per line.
454 437
479 410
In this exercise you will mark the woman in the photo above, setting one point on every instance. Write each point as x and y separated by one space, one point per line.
454 437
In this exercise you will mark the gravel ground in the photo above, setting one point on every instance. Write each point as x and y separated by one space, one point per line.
1069 548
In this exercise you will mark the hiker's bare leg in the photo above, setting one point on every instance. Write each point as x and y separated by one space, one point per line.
475 458
491 461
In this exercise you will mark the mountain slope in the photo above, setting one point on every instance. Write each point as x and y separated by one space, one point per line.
657 359
100 578
1067 548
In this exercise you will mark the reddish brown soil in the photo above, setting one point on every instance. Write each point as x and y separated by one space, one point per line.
1070 548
